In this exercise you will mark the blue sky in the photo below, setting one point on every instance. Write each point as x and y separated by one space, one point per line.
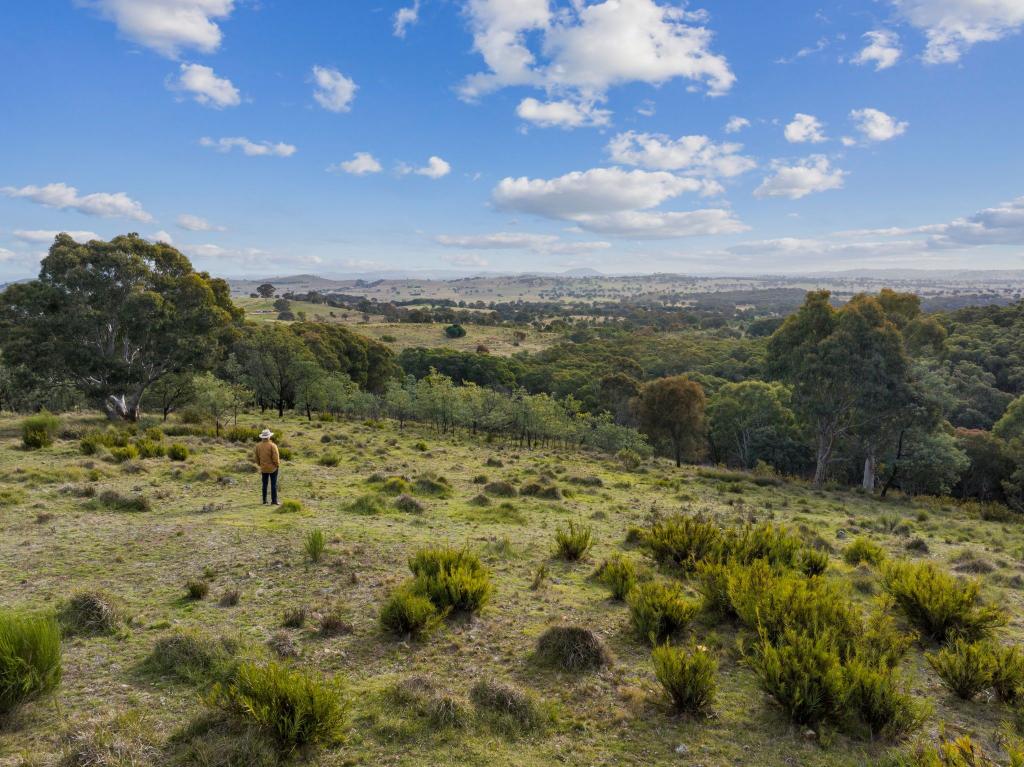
269 137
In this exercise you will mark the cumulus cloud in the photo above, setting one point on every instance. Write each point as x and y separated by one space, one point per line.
363 163
434 169
537 243
62 196
167 26
205 87
196 223
882 49
1001 225
693 155
249 148
48 235
790 252
952 27
804 177
736 124
406 17
804 129
465 259
6 255
334 92
564 113
614 201
876 125
586 48
162 236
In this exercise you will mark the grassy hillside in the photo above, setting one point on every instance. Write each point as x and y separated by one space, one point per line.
59 534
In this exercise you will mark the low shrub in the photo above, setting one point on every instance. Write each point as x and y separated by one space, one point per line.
501 489
30 658
803 673
1008 673
965 668
395 486
191 656
409 505
507 708
432 485
89 613
39 430
541 490
811 561
333 622
314 544
452 579
114 500
177 452
574 541
876 696
658 610
294 617
938 604
330 458
713 585
863 550
618 573
368 504
230 598
295 708
123 454
688 676
148 448
291 506
572 648
407 612
242 434
196 589
684 541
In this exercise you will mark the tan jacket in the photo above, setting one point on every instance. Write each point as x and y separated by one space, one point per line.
268 457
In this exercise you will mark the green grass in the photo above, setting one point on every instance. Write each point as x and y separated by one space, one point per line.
619 715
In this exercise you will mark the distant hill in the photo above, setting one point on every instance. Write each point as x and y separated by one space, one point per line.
583 272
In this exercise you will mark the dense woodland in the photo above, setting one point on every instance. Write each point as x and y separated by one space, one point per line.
872 391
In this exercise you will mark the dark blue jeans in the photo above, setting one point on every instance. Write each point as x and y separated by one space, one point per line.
272 479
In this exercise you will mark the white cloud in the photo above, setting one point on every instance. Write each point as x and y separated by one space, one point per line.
6 255
564 113
586 48
789 252
406 17
614 201
206 87
334 92
882 50
167 26
435 168
249 148
62 196
163 236
362 164
736 124
804 177
48 235
876 125
465 259
805 128
953 26
537 243
1001 225
696 155
196 223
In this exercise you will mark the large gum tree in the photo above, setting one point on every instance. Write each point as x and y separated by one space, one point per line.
115 318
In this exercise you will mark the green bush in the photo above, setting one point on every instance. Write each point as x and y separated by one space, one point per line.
409 505
30 658
314 545
39 430
508 709
501 488
295 708
291 506
452 579
811 562
658 610
713 585
688 676
122 454
432 485
109 438
938 604
684 541
407 612
573 542
242 434
114 500
368 504
330 458
863 550
874 694
191 656
197 589
965 668
148 448
803 673
618 573
1008 673
177 452
395 486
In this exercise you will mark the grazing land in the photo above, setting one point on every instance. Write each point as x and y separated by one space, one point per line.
61 532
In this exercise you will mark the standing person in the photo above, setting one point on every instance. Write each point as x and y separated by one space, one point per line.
269 460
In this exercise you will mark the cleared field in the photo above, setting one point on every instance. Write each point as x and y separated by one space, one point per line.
57 536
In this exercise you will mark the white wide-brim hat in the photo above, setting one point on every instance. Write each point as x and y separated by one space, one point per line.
266 434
